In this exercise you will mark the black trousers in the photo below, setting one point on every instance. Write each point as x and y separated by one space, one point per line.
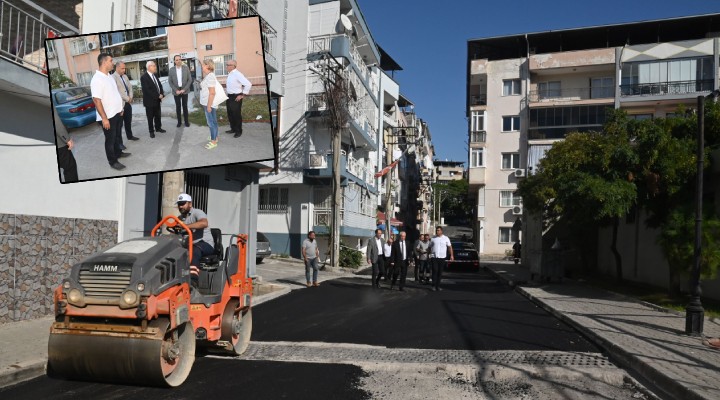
401 270
153 115
438 265
181 100
378 270
66 161
112 145
234 111
127 121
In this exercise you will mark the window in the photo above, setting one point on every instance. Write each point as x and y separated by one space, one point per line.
504 235
198 186
601 88
78 46
511 87
204 26
509 198
640 117
220 68
477 121
548 90
476 158
510 161
511 124
686 75
84 78
273 200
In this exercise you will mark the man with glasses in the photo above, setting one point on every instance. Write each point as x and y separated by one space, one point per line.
237 88
196 219
179 80
152 96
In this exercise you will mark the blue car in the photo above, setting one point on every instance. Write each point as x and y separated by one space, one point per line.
74 106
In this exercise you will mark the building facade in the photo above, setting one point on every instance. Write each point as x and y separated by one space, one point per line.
528 91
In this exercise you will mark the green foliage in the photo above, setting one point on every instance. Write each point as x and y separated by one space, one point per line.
58 78
350 258
677 240
455 202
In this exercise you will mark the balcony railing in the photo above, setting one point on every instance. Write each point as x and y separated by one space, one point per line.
662 88
316 102
478 137
323 217
572 94
22 37
478 100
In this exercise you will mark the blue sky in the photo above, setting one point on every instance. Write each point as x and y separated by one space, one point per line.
430 43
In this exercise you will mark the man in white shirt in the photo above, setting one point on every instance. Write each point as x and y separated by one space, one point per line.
237 88
375 257
439 247
108 109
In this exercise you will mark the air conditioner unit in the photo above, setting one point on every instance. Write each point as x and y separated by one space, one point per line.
51 54
318 161
93 45
517 210
520 173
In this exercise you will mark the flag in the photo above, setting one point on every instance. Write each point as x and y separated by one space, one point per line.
50 35
387 169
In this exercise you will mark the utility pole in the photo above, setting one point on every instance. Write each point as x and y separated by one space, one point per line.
388 186
173 184
337 200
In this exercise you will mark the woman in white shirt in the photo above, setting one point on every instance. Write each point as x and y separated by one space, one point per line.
207 97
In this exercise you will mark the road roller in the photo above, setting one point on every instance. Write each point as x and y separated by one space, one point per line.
129 314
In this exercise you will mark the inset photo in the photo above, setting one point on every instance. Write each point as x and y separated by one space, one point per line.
160 99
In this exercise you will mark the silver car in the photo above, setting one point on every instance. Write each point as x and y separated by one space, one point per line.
263 248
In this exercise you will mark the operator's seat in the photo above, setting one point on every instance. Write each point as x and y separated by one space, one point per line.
217 256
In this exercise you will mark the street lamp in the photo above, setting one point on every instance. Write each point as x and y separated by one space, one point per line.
694 312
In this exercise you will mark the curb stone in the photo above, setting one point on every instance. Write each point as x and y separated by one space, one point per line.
21 372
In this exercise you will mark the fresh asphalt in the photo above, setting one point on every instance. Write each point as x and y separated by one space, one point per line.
474 312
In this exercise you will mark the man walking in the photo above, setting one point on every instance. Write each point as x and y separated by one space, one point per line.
310 253
422 267
152 96
108 109
439 247
179 80
376 258
125 89
401 254
65 157
237 88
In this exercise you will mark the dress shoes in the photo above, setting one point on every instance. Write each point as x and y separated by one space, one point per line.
179 124
133 138
237 135
161 130
123 155
152 135
117 166
122 147
230 131
187 124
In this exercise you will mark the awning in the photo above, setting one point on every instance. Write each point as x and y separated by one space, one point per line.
393 221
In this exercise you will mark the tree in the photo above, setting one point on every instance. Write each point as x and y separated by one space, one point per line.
585 180
455 204
58 79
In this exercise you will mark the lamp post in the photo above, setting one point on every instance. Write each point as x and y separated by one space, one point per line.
694 312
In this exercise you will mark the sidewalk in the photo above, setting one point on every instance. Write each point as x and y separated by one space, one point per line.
641 338
23 344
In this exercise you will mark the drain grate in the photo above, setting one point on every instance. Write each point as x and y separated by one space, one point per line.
334 353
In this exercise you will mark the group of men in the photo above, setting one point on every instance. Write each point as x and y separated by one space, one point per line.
113 96
392 261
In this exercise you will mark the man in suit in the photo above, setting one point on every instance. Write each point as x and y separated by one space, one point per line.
375 257
401 254
179 80
152 96
65 157
125 89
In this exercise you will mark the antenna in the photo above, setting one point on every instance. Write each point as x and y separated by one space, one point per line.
345 22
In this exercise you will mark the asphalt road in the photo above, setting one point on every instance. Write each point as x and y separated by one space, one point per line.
477 339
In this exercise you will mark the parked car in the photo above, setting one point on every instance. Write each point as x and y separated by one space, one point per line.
466 257
263 248
74 106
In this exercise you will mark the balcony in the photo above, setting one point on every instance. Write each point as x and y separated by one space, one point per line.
572 95
389 119
478 137
476 176
666 88
341 46
478 100
351 170
572 59
351 223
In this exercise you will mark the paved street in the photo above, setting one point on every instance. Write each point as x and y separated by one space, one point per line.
477 339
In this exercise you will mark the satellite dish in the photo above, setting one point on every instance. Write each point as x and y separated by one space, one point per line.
345 21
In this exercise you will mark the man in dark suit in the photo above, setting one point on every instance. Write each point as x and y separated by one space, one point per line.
179 80
401 253
375 257
152 96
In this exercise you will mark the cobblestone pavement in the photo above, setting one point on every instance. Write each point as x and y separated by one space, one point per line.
648 340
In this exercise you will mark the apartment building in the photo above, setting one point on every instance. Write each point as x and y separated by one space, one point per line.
446 170
527 91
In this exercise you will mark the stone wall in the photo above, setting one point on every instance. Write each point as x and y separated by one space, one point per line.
36 253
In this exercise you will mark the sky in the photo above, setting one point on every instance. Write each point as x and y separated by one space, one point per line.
430 43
